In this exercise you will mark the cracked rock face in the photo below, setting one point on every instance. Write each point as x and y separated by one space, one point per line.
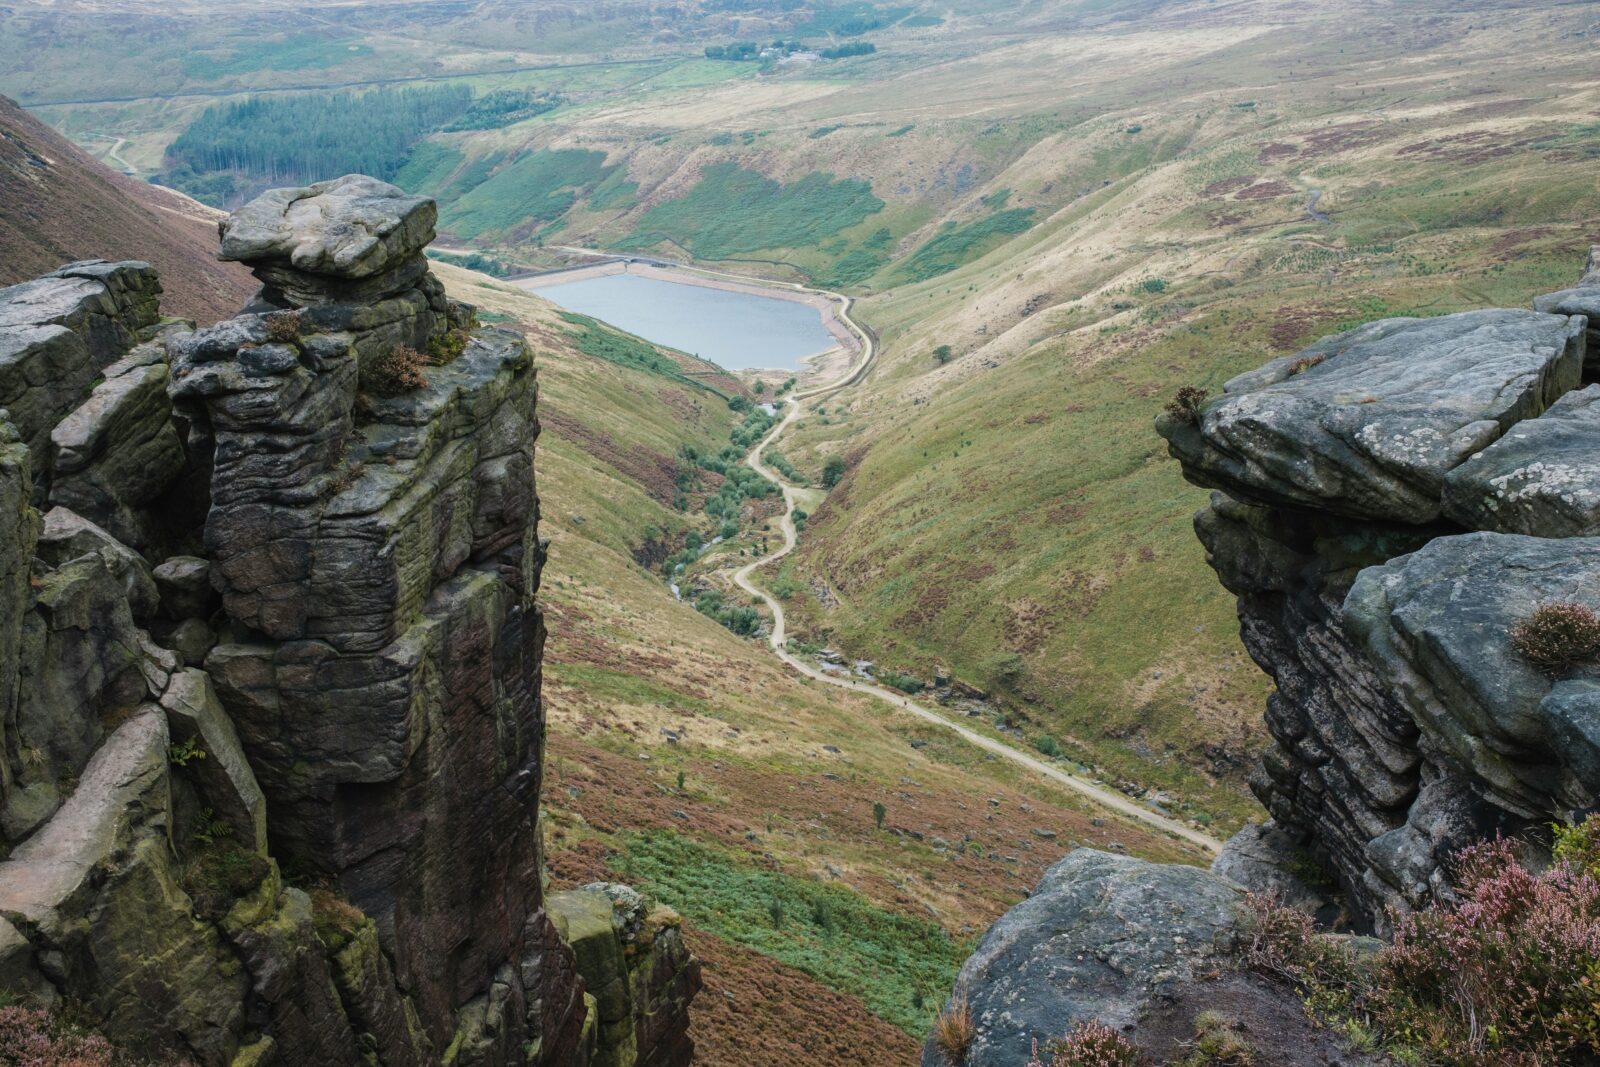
1382 553
347 679
1367 424
1541 477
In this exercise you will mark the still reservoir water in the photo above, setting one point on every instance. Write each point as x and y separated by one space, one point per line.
735 330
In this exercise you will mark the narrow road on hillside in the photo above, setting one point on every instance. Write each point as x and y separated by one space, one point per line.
1108 798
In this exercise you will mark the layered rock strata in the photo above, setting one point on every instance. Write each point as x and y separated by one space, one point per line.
270 667
1392 502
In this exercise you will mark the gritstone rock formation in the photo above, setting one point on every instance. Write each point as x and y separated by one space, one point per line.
270 670
1393 501
1140 947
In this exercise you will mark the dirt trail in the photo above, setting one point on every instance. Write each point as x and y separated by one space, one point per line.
868 352
743 578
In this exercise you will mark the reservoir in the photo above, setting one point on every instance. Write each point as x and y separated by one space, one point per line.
735 328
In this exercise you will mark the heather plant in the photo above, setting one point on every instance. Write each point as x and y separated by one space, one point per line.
395 372
1089 1044
283 327
1558 635
1509 975
1185 405
36 1038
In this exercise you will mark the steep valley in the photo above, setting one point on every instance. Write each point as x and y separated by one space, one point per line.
1051 215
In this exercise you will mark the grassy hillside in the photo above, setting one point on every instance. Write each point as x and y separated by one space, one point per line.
62 206
767 843
1054 214
1009 514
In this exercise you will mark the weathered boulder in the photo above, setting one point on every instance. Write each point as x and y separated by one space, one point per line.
1436 626
82 661
58 331
1269 863
1368 423
1102 938
350 240
184 586
118 452
1541 477
96 896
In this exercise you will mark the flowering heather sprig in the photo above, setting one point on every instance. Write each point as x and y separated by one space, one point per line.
31 1037
1089 1044
1508 976
1558 635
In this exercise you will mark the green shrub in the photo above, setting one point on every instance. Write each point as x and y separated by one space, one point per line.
1047 745
832 470
447 347
1155 285
906 683
942 354
1185 405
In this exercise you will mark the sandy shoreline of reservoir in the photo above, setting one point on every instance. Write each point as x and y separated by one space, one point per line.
817 364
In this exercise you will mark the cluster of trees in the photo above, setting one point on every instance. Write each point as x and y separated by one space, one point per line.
738 51
503 107
308 137
746 51
739 618
845 51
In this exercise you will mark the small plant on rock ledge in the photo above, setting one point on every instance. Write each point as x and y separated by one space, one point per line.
447 347
395 372
953 1031
1305 363
1185 406
1558 636
1090 1044
283 327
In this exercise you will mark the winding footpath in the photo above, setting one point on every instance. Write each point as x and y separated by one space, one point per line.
743 577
